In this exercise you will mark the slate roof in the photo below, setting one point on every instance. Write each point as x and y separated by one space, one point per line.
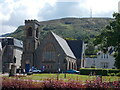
18 43
11 41
111 50
63 43
76 47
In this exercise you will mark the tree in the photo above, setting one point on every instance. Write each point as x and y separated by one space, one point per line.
111 37
90 50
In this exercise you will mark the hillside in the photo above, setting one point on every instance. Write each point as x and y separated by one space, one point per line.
71 28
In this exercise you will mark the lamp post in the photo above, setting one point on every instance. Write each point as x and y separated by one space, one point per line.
58 67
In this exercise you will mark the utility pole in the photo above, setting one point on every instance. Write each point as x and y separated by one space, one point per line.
90 13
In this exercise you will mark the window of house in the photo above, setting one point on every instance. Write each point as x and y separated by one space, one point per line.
104 64
107 56
102 56
49 53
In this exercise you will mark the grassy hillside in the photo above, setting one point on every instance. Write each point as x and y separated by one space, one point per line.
72 28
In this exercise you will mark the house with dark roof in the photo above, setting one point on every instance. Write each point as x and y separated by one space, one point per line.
101 59
53 53
11 52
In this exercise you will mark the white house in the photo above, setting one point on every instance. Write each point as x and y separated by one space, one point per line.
11 52
102 60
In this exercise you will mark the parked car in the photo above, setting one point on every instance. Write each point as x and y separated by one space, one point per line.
35 70
73 71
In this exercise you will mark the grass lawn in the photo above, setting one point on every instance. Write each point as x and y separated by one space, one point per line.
81 78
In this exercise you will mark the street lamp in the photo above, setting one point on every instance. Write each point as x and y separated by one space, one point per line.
58 67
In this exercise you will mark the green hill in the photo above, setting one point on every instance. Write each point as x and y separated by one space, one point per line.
70 28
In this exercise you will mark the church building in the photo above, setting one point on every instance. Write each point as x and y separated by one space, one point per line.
51 54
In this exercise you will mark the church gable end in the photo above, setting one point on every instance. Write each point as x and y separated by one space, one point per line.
50 56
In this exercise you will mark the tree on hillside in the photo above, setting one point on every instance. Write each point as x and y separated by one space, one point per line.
111 37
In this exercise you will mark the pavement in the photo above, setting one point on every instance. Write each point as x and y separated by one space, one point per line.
5 74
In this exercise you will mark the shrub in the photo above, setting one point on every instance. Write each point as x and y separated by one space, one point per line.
103 72
93 70
118 74
114 70
112 74
57 84
19 83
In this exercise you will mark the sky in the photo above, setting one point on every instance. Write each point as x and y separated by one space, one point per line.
13 13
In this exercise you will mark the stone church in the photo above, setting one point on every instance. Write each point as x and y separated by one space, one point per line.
51 54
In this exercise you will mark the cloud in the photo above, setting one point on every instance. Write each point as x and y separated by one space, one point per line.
6 28
102 6
14 12
63 9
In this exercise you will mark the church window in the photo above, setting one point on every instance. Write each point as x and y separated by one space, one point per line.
37 33
65 61
47 66
49 53
29 31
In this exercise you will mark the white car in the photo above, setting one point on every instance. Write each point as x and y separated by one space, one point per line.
35 70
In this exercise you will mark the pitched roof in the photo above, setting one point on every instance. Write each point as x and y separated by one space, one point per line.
18 43
11 41
64 45
76 47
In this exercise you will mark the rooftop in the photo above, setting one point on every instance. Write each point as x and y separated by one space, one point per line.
64 45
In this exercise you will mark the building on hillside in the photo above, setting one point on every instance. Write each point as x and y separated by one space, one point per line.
101 60
51 54
11 53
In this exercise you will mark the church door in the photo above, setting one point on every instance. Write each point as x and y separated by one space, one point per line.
27 67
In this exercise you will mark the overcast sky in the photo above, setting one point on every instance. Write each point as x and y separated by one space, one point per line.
14 12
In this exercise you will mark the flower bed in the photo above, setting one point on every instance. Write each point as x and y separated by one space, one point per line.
9 83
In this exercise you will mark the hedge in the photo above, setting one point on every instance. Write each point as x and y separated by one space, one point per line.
96 71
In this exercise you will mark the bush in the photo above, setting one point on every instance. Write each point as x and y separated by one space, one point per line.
93 70
112 74
118 74
113 71
57 84
103 72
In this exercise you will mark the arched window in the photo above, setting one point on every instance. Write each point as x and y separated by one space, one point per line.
37 33
49 53
29 31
